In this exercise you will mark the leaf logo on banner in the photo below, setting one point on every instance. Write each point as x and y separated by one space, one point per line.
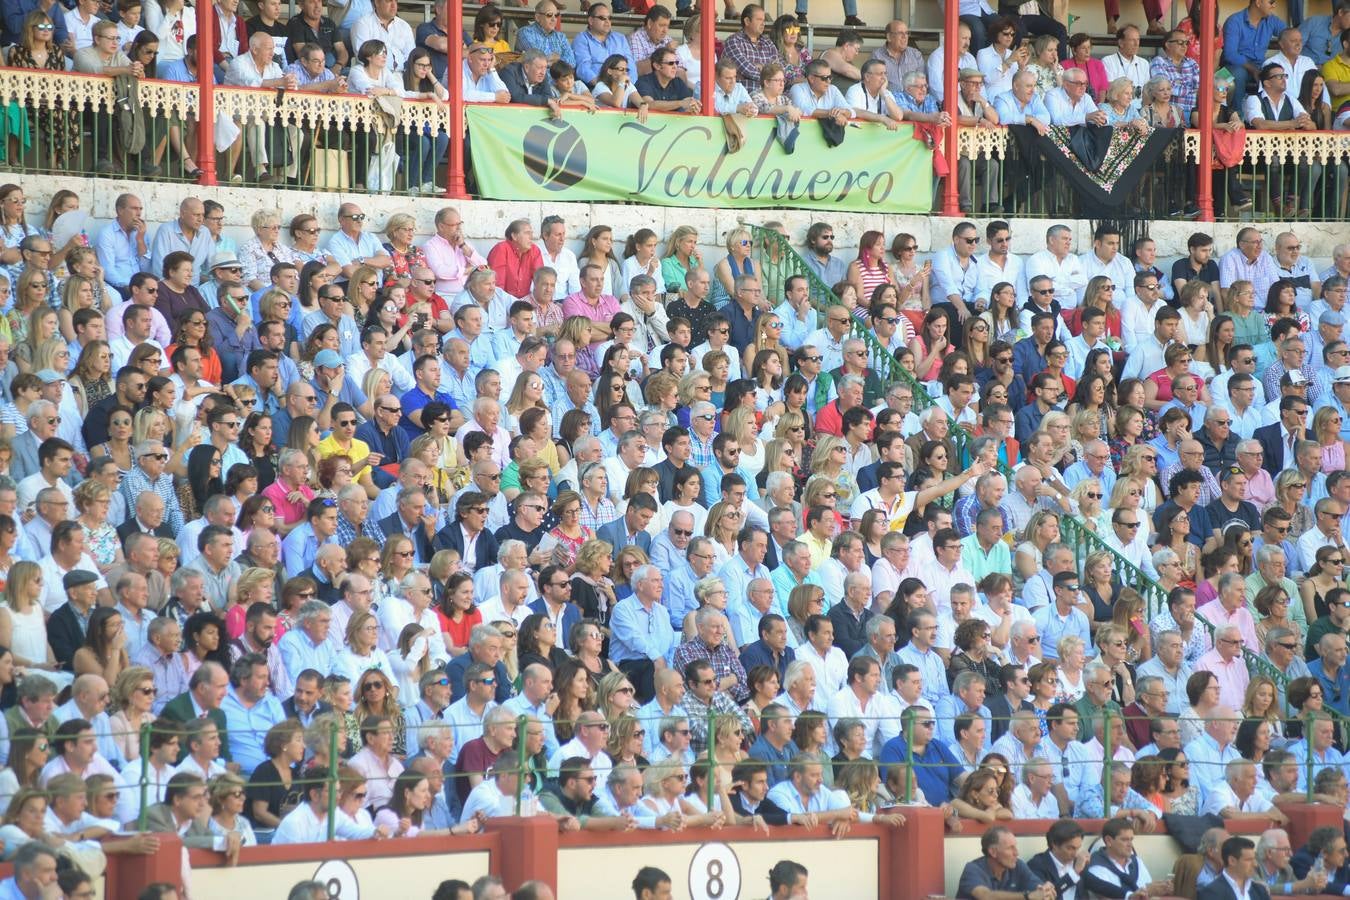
555 155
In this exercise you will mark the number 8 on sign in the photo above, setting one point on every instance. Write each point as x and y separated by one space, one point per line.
714 873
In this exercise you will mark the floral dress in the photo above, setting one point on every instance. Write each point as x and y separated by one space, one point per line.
796 72
101 543
10 238
58 129
404 263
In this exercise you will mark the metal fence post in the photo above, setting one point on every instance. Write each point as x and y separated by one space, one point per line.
332 781
522 769
145 776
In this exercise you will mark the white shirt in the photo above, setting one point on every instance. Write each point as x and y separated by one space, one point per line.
1025 807
880 721
1120 270
1135 69
1066 274
936 69
1064 111
1136 323
397 37
569 274
831 671
301 826
1251 109
991 273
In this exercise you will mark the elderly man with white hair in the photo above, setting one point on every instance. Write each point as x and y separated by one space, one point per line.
1096 463
641 632
1226 662
713 644
487 415
259 69
1033 799
1237 798
1273 853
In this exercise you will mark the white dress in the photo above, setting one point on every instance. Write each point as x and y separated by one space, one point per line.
28 638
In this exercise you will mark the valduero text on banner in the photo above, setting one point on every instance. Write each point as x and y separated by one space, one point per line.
675 160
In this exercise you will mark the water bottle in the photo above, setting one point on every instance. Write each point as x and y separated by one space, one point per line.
1319 867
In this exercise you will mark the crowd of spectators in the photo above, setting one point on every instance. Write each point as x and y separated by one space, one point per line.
643 539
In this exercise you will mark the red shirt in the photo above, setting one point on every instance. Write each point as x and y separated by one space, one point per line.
514 269
829 420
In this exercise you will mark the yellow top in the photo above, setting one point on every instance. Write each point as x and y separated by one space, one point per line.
358 451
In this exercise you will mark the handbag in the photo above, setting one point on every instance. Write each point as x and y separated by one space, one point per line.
329 169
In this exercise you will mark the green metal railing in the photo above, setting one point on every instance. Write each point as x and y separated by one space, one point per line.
1085 542
778 261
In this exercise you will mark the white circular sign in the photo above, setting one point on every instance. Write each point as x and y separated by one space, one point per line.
339 880
714 873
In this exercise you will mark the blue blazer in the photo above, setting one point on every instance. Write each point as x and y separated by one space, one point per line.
616 533
571 616
390 524
452 538
1269 436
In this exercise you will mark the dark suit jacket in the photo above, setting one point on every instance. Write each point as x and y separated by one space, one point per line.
1271 439
571 616
616 533
288 707
1043 865
451 538
513 76
391 524
757 654
1000 714
771 556
65 636
1219 889
129 527
179 709
159 818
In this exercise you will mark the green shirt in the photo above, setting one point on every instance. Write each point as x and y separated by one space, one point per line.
1089 713
980 564
1316 630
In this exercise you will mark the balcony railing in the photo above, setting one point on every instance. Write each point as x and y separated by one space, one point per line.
1300 175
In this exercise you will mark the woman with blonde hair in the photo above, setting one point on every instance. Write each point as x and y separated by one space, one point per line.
663 786
363 290
1088 495
1326 429
23 627
361 651
227 793
77 293
377 696
1129 619
767 335
736 263
1261 701
1291 489
132 701
626 736
1056 424
804 601
527 392
723 525
91 379
829 461
681 255
1072 657
376 383
792 427
42 325
592 588
399 232
260 253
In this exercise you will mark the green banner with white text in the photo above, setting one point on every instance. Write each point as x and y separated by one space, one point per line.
681 160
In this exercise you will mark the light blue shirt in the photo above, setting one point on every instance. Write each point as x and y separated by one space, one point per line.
949 278
345 250
678 594
1065 112
481 90
246 727
802 97
299 548
931 667
650 716
1053 627
712 484
590 53
116 250
639 633
1330 758
795 331
1071 765
1208 762
786 796
725 104
947 707
298 653
1080 472
170 237
1010 112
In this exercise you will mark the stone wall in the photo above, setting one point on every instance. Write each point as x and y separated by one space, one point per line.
485 221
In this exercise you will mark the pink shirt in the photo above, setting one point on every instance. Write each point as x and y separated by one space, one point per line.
1233 676
1214 613
604 310
1260 489
289 512
451 265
